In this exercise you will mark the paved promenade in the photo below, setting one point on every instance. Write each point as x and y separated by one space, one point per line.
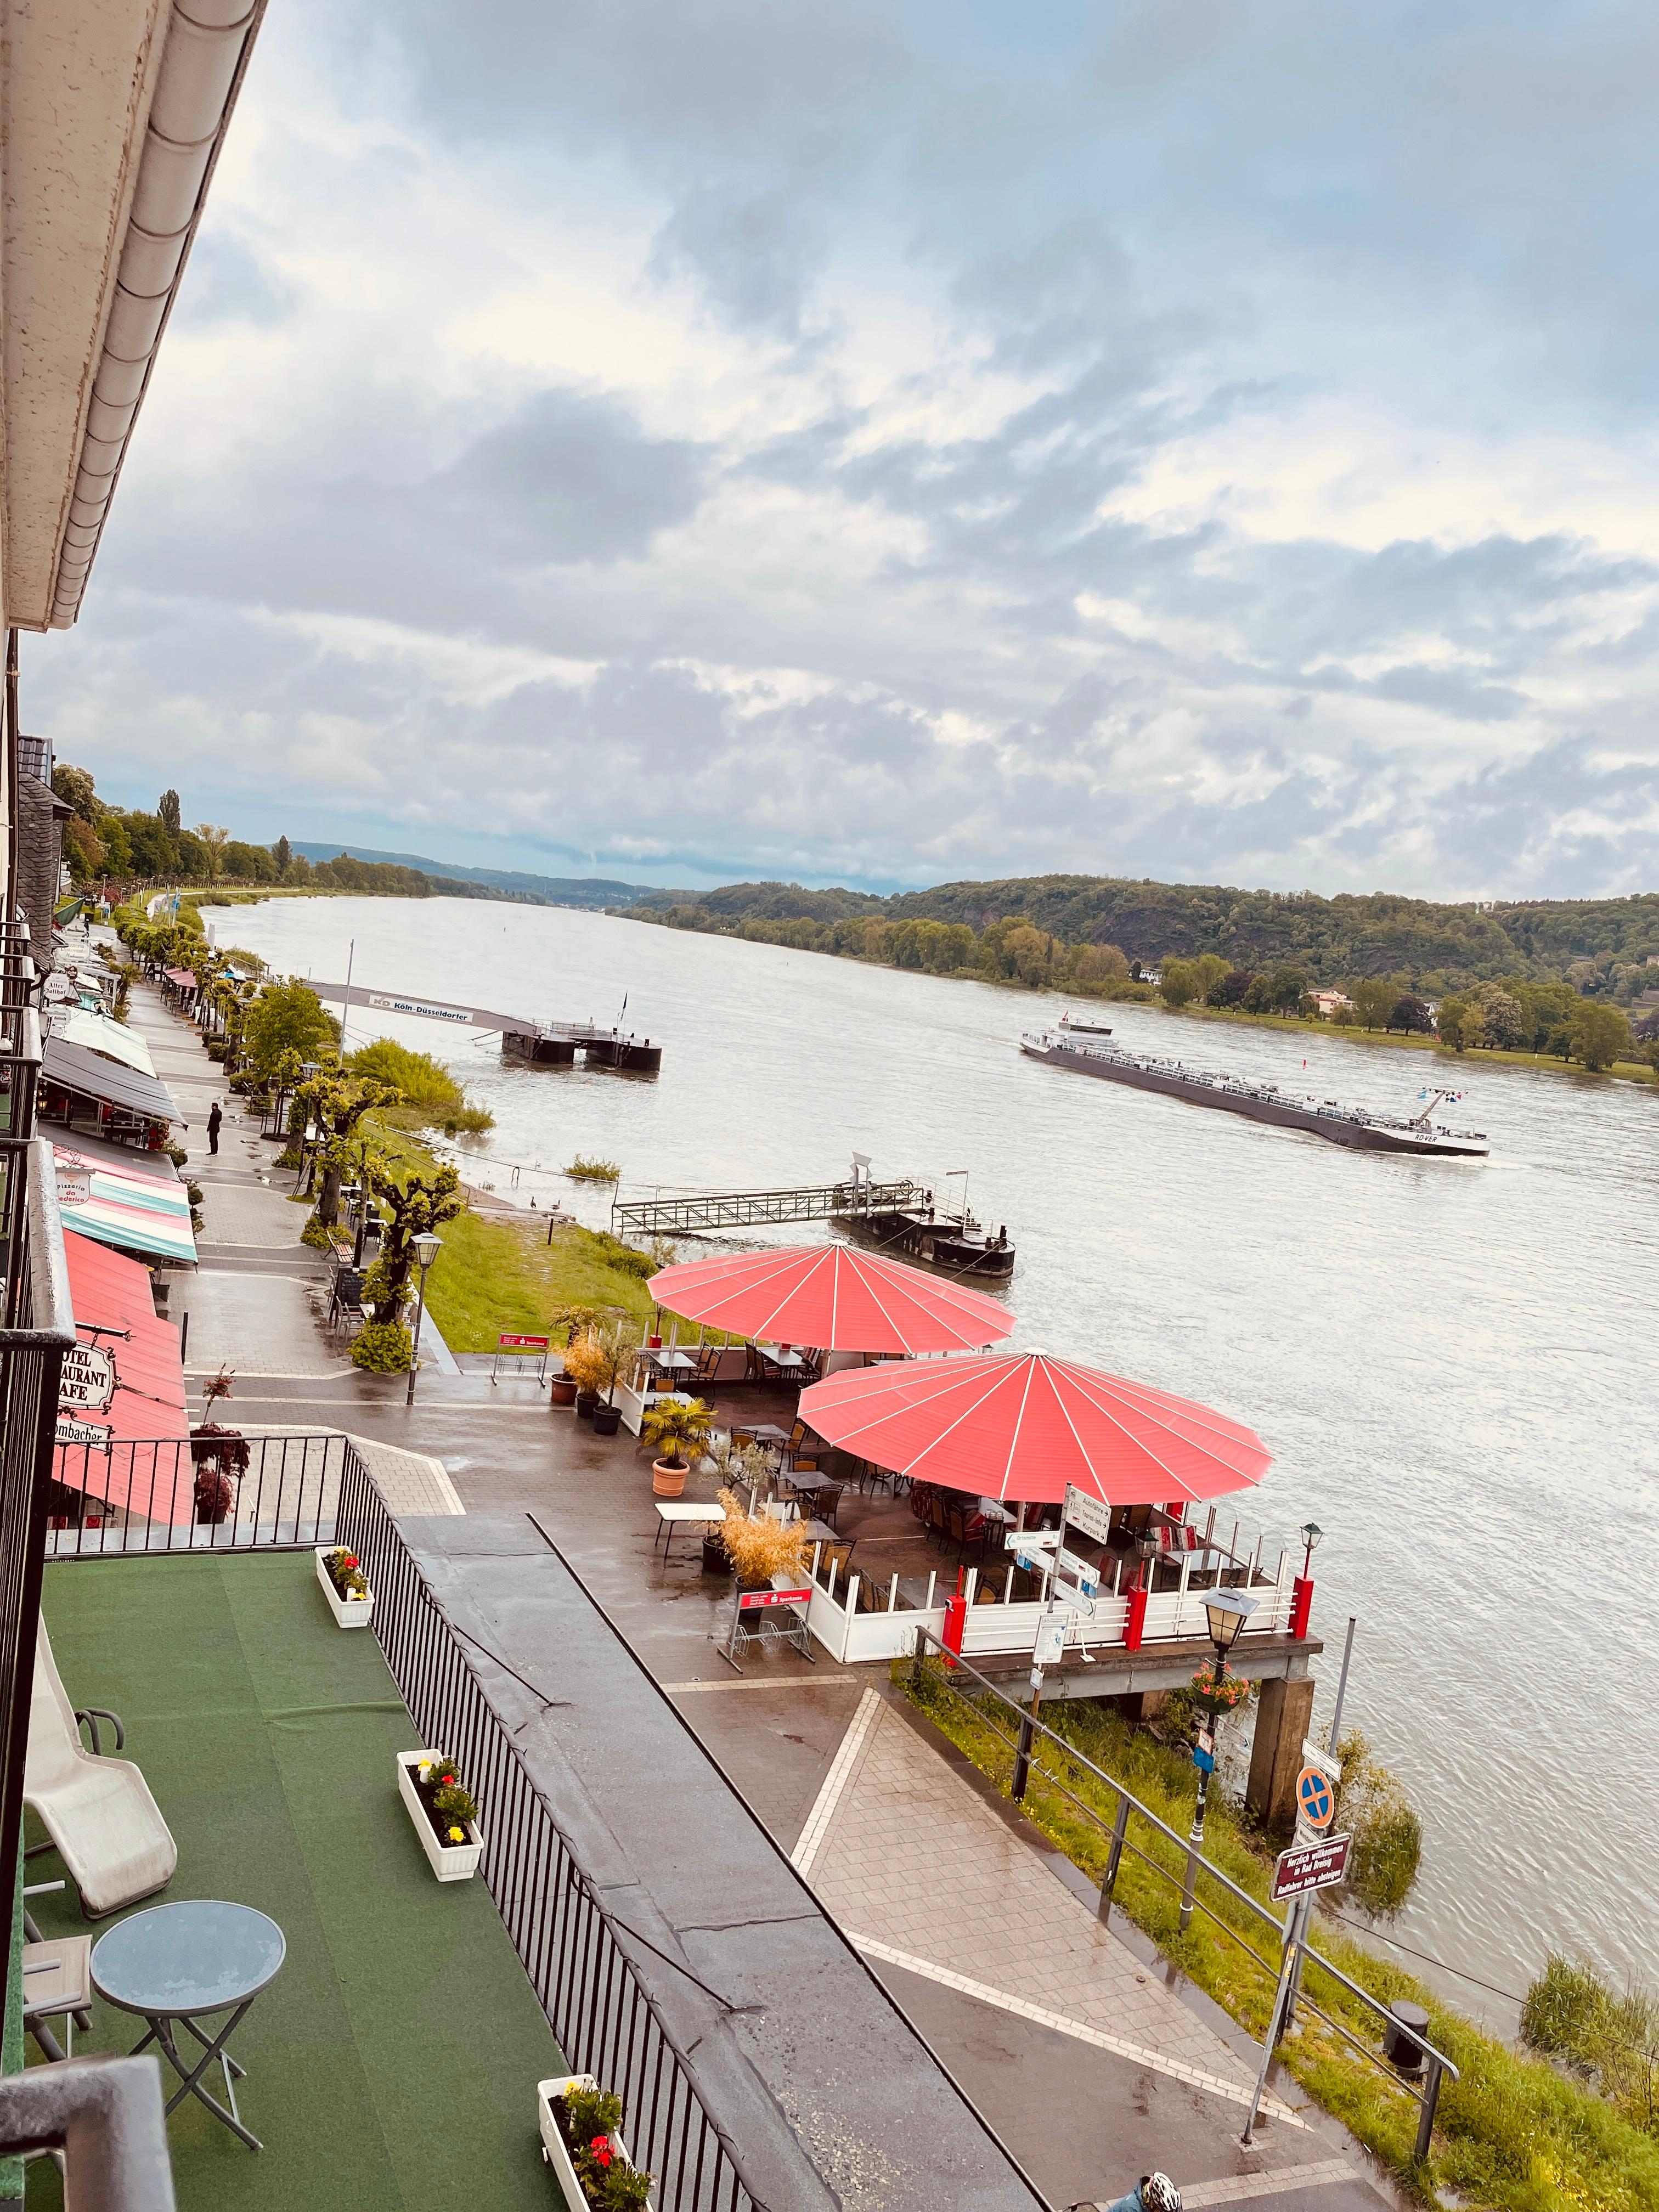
1093 2059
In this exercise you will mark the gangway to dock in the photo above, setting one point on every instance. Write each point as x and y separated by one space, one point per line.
537 1044
744 1209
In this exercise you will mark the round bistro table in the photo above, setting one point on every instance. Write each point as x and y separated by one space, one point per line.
177 1964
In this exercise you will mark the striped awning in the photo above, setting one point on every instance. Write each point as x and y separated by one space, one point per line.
125 1207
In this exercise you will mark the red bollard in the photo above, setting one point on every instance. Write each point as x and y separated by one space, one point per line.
1135 1626
956 1616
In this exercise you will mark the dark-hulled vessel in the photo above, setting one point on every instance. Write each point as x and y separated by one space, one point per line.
1262 1102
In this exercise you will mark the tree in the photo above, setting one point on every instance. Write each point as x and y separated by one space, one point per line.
1094 966
1177 984
76 788
214 841
288 1018
1504 1023
1210 968
1232 989
83 849
417 1205
1411 1014
166 811
339 1104
281 852
1600 1033
1374 1000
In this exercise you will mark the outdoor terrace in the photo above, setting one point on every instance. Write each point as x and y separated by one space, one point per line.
392 2064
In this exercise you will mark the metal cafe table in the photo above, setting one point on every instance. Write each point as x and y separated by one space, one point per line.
177 1964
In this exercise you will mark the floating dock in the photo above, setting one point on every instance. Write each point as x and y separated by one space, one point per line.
529 1043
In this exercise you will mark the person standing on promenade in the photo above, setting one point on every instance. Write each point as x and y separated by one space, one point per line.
213 1121
1153 2192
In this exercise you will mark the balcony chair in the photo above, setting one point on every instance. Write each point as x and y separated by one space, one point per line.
58 1980
98 1812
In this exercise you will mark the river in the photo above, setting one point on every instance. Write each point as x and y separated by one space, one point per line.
1453 1362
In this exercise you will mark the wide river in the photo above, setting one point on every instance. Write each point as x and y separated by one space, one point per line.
1455 1365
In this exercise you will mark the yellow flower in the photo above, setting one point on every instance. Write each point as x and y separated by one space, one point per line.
458 1835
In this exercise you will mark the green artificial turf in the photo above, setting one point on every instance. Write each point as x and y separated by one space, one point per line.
393 2062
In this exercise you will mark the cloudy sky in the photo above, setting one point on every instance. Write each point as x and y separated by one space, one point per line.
693 438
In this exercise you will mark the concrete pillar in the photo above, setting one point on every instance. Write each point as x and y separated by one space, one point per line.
1140 1705
1284 1716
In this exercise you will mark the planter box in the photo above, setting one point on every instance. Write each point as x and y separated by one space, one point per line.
349 1612
553 2150
449 1861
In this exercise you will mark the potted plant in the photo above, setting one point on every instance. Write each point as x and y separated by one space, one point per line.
345 1586
580 2129
761 1547
219 1455
585 1365
445 1817
562 1389
674 1428
618 1341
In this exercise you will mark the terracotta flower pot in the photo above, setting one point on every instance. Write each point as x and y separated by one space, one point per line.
668 1480
560 1390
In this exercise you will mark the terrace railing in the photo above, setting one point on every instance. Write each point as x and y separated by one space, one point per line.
188 1496
581 1961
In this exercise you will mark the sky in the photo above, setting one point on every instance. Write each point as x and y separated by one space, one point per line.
696 440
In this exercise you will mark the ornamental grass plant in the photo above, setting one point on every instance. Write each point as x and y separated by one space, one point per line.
760 1546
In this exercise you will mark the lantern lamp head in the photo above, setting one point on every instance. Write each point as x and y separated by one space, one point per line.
1227 1610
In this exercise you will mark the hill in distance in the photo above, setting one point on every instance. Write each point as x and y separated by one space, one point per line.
596 891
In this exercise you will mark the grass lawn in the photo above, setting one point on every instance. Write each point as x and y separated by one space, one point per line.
392 2065
1512 2133
498 1271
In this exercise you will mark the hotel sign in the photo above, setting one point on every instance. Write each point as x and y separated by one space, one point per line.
88 1380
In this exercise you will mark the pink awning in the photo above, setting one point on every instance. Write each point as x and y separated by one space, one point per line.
122 1429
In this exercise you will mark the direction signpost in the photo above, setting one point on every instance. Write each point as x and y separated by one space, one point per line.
1093 1516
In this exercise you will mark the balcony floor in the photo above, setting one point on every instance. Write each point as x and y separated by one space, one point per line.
393 2062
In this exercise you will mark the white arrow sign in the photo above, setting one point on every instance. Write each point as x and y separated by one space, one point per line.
1093 1516
1032 1540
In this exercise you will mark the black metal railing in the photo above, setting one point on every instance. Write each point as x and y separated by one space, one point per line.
1169 1856
233 1493
581 1963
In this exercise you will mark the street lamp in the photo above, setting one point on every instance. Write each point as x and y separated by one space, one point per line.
1312 1536
426 1251
1226 1610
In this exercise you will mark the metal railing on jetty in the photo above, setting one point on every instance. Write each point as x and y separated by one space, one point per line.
743 1209
581 1961
1038 1751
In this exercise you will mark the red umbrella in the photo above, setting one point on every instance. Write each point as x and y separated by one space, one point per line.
833 1297
1018 1424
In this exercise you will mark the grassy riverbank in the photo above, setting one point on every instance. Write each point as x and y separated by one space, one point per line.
1513 2133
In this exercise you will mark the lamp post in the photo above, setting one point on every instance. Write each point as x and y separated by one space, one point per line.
1302 1591
426 1251
1227 1611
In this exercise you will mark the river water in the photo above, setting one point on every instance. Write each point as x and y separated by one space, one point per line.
1453 1362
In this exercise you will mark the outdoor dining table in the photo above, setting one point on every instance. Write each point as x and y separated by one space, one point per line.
993 1511
177 1964
820 1488
676 1514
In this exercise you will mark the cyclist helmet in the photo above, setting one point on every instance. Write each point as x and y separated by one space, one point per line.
1159 2194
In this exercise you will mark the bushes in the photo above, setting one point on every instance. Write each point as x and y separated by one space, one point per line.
316 1236
383 1347
429 1090
1572 2015
1371 1804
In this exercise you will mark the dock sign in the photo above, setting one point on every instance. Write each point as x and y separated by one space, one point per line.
1316 1801
1310 1866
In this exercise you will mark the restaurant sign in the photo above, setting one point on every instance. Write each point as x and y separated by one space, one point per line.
88 1380
74 1186
92 1434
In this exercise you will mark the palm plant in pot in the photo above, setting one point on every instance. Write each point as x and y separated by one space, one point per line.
677 1429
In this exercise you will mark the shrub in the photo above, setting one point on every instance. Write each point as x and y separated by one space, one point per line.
289 1157
217 1048
180 1158
675 1430
585 1364
1387 1836
761 1547
316 1236
193 1193
583 1170
1573 2016
383 1347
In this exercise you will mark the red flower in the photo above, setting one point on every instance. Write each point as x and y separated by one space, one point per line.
600 2148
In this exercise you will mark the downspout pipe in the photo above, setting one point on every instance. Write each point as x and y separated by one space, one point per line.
205 57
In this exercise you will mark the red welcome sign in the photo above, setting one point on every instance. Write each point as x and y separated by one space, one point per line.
506 1343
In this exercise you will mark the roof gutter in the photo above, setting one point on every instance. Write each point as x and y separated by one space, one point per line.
205 57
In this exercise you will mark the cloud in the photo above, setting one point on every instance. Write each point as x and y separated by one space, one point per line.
1195 442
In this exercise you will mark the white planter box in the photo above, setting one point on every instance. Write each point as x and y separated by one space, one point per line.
449 1861
349 1612
553 2150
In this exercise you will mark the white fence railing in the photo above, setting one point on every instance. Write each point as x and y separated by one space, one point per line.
887 1629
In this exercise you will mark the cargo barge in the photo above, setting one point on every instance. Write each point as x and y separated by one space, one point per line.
1262 1102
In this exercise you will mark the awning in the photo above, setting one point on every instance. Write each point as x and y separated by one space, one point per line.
123 1429
74 1067
182 977
95 1032
123 1207
833 1297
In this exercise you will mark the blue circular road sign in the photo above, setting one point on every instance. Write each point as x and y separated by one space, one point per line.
1313 1794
